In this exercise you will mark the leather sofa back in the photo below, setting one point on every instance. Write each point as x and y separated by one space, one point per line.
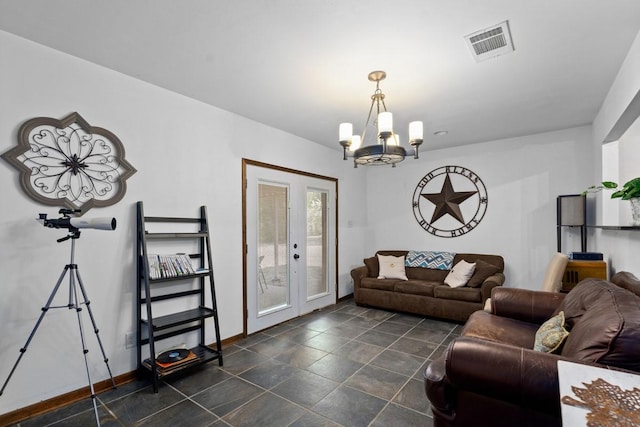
430 274
627 280
603 321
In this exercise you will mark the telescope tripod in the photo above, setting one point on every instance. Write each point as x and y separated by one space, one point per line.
75 286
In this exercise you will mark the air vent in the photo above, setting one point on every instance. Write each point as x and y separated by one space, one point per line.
490 42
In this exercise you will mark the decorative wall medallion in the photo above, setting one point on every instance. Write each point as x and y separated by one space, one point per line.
450 201
70 163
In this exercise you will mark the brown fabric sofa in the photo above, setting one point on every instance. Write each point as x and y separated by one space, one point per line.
491 375
425 292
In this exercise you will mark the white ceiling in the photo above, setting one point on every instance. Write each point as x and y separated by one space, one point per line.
302 65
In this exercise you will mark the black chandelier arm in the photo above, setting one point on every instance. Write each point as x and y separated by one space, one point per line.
415 143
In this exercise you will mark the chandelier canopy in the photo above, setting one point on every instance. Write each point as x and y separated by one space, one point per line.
387 149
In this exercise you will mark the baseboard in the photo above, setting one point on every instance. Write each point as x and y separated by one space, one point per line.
346 297
62 400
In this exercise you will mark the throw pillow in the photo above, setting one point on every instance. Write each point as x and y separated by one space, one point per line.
391 267
551 334
430 259
483 271
460 274
372 266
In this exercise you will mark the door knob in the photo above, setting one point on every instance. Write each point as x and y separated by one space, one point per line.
296 256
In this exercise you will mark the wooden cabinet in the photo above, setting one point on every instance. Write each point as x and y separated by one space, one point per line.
579 270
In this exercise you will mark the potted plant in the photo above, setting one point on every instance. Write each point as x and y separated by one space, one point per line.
629 191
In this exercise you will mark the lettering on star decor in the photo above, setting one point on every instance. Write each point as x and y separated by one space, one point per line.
450 201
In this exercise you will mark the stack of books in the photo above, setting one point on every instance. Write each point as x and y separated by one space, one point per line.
163 266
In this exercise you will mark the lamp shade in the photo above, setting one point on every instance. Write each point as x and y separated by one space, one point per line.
345 131
356 142
415 131
385 122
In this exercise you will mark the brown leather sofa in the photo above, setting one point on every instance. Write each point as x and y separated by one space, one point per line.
425 292
491 376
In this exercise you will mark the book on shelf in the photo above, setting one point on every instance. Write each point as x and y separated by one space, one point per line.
165 266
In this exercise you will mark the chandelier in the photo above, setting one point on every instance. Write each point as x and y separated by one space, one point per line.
387 149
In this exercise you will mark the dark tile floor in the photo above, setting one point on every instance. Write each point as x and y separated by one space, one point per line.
342 366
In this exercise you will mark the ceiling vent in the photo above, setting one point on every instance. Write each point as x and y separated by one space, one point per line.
490 42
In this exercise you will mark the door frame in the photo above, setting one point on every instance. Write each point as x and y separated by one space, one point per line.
255 163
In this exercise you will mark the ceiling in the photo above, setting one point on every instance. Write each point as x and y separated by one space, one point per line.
302 66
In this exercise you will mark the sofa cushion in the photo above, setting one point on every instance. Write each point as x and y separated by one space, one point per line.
460 274
416 287
551 334
372 266
500 329
496 260
604 324
461 294
483 271
375 283
391 267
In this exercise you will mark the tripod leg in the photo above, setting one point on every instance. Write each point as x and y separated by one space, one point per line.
74 303
35 328
87 303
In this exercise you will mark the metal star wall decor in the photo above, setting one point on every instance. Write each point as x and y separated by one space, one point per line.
70 163
455 204
448 201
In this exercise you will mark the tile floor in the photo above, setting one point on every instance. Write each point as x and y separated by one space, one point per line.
342 366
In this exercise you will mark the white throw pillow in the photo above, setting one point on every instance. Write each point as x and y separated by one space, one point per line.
460 274
391 267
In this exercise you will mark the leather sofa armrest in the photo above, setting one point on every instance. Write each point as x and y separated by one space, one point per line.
357 274
525 377
490 283
524 304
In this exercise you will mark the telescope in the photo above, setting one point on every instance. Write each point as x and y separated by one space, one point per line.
76 290
74 224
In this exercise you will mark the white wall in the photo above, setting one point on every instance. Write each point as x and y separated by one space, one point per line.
523 177
187 154
620 247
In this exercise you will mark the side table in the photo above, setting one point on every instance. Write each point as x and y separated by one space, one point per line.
579 270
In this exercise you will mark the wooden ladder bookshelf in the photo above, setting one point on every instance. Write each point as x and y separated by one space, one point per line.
191 283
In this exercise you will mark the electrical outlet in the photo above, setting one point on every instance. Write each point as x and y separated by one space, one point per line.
130 340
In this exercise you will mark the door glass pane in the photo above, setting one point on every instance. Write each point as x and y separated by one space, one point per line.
317 283
273 232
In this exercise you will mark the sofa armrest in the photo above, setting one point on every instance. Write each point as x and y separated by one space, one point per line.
357 274
525 377
524 304
490 283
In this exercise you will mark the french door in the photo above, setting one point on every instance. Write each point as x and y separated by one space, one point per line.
290 233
